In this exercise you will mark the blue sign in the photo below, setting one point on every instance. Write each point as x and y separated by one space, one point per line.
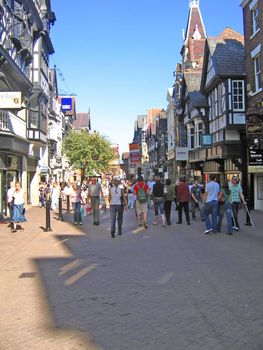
207 140
66 104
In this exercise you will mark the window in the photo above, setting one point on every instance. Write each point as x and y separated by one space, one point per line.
238 95
255 18
199 131
257 73
191 138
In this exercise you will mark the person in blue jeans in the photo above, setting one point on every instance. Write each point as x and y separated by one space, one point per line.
212 190
225 207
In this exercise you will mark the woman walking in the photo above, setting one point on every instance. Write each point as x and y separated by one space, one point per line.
225 206
18 215
76 200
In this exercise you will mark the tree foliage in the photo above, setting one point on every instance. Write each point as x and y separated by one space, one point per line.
89 152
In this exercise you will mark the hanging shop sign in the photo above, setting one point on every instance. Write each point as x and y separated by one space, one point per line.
182 153
255 157
10 99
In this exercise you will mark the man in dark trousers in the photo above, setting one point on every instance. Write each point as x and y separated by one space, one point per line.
183 198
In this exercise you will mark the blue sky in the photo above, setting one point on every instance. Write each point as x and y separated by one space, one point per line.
118 56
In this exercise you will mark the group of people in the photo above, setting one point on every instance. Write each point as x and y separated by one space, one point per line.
212 201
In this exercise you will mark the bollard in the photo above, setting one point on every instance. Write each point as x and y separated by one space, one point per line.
60 216
48 204
68 204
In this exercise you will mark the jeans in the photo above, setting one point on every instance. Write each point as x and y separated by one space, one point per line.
76 210
211 208
235 207
116 212
42 199
158 206
225 208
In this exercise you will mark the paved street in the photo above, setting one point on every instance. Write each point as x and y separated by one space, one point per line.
161 288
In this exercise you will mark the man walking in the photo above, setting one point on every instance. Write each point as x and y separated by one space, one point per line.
235 199
141 191
94 193
117 202
183 198
212 190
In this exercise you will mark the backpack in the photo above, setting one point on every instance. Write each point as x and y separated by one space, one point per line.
141 196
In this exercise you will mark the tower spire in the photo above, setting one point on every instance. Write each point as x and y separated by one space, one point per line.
194 3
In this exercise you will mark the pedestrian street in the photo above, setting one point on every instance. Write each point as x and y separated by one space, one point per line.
158 288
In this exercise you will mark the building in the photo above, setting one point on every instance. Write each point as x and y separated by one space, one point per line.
253 33
24 88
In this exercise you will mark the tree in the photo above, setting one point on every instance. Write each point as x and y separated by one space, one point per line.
89 152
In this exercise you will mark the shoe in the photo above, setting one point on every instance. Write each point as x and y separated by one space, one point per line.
169 223
139 224
163 225
188 223
119 233
13 230
235 228
230 233
179 222
112 235
75 223
208 231
155 223
145 225
81 223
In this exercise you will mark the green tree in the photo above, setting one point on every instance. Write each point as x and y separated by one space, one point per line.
89 152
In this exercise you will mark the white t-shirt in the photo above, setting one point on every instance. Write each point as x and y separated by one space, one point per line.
115 195
19 197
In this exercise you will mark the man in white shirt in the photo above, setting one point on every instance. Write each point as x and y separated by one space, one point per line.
212 190
117 201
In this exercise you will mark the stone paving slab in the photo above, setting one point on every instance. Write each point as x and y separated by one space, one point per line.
161 288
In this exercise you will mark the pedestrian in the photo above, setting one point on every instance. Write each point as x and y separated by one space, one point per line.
42 194
168 199
158 201
18 215
76 200
225 207
196 199
94 193
236 199
55 193
183 198
141 193
117 202
212 190
10 199
150 184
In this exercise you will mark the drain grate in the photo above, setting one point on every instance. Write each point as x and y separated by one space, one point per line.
27 275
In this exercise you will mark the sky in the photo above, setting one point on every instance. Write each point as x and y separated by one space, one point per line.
118 56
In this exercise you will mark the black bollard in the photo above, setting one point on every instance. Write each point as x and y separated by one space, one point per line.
48 228
68 204
60 216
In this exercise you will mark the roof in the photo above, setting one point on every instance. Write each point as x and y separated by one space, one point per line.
197 99
82 121
193 80
228 53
